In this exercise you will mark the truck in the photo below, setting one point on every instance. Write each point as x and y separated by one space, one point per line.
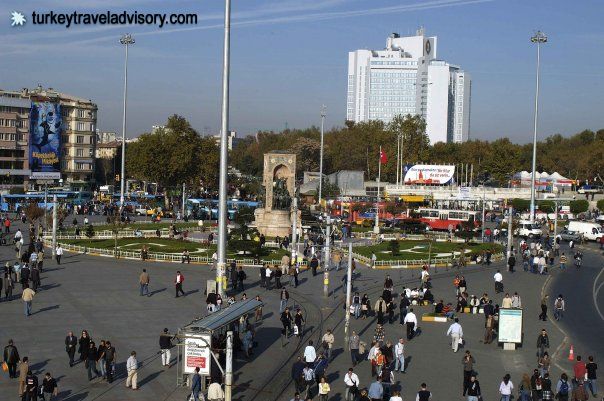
527 229
590 231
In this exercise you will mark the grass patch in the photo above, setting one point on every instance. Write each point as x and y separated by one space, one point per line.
417 249
166 245
69 230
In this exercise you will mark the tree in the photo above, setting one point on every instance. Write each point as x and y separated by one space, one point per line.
34 214
328 190
600 205
394 247
173 155
579 206
521 205
308 154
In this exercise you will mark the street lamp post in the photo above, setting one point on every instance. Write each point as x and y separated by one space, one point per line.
538 38
323 114
126 40
222 190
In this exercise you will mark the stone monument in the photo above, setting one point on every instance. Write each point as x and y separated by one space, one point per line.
278 179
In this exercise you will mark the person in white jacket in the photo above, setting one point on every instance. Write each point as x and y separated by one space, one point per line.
456 333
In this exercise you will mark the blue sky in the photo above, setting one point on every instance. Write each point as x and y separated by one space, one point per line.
289 57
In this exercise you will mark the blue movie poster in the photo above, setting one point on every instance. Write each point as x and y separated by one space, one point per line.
46 126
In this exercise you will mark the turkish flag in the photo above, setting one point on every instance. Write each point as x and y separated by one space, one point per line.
383 157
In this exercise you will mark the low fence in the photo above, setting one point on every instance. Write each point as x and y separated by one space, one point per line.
161 257
439 237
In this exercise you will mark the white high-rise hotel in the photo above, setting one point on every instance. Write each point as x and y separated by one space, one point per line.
407 78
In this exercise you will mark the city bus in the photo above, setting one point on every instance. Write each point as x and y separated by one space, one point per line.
446 219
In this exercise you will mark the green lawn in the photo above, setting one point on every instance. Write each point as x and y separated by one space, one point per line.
133 226
165 245
410 249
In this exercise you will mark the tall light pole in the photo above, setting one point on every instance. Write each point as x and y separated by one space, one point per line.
126 40
323 114
222 190
538 38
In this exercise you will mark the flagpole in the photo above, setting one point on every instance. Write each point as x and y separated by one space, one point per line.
376 229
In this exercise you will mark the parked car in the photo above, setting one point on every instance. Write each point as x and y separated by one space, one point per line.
566 235
589 231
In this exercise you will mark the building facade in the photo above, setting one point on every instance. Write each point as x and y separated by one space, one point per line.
78 136
408 78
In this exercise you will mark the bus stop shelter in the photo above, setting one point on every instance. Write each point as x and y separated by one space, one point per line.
201 343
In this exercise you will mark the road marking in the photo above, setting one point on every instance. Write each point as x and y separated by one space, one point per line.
595 293
553 321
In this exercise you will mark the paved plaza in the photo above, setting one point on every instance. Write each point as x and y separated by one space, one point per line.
101 295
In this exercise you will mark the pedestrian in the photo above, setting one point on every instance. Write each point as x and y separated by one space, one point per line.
297 376
456 333
506 387
241 276
11 357
299 322
546 385
23 372
423 394
314 264
178 283
70 346
131 369
100 359
323 389
498 277
579 392
473 389
559 307
258 312
399 355
262 275
49 386
563 388
351 380
563 261
327 343
542 343
379 334
165 343
356 305
84 345
309 380
354 342
511 263
144 283
310 355
283 299
110 356
579 369
468 362
543 315
196 384
544 364
8 286
376 390
592 381
31 387
35 277
215 392
365 306
91 361
286 320
411 322
27 296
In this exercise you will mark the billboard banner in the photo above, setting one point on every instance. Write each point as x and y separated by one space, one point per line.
429 174
197 354
510 325
46 126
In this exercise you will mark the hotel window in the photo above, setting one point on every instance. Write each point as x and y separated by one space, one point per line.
81 127
80 152
81 113
65 138
80 139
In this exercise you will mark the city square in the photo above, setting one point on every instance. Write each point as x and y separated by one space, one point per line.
212 202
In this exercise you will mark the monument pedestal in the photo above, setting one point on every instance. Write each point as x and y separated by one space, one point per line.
273 223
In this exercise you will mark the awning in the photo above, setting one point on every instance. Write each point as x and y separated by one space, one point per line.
412 198
224 317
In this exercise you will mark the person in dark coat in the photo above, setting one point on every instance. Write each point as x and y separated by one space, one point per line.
84 345
11 357
314 264
91 361
241 276
70 346
233 276
35 278
25 274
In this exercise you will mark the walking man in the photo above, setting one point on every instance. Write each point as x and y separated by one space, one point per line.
283 299
498 277
559 307
70 346
110 356
27 297
165 343
11 357
196 384
456 333
411 322
144 283
131 368
399 355
58 253
178 283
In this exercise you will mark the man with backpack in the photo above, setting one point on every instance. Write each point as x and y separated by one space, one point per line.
559 307
563 388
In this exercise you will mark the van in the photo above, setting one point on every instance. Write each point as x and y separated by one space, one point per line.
590 231
527 229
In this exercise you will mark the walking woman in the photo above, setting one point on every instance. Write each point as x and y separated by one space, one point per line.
525 388
299 322
323 389
365 306
506 387
8 286
84 345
